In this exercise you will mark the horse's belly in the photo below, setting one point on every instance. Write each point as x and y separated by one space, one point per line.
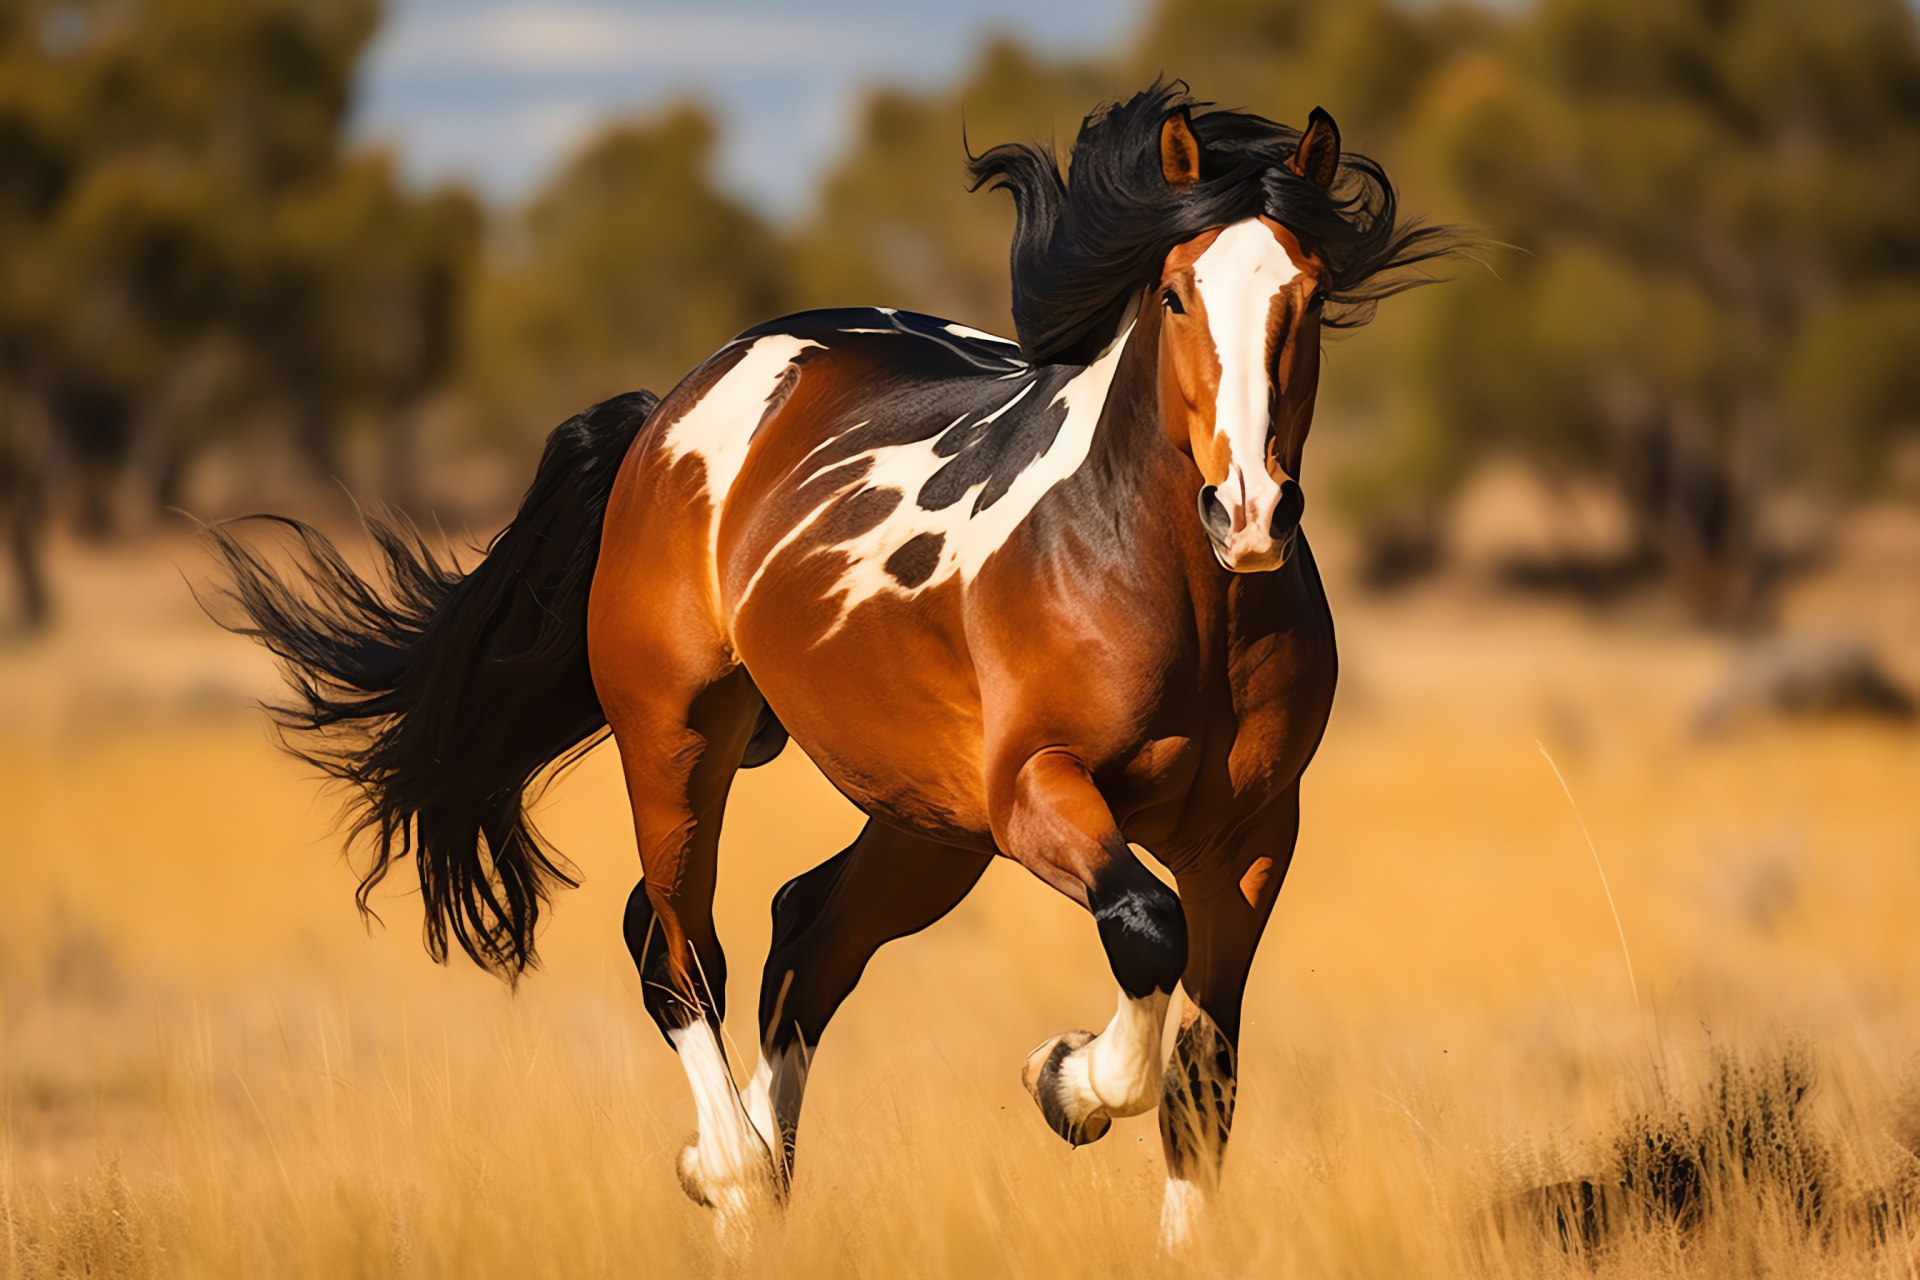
886 706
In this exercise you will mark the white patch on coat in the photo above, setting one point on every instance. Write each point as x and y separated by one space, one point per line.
728 1165
1120 1071
969 538
719 427
1237 278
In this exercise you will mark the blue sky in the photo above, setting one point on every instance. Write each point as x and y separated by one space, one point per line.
498 91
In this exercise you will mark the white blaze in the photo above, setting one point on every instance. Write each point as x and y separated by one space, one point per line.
1238 277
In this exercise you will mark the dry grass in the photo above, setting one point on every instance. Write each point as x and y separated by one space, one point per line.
211 1070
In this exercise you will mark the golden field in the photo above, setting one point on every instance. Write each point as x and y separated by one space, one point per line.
212 1069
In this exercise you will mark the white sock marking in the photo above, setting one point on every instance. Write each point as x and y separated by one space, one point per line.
1120 1071
729 1159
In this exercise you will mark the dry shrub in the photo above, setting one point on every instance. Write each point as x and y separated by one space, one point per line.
1743 1171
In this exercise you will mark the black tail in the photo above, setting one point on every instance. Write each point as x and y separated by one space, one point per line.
442 696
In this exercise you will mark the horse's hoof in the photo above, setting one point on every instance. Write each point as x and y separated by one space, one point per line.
691 1181
737 1195
1058 1101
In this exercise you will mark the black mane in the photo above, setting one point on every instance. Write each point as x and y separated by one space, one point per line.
1084 244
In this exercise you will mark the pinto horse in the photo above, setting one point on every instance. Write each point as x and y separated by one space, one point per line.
1043 600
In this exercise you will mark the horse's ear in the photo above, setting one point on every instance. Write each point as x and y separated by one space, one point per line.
1179 151
1318 158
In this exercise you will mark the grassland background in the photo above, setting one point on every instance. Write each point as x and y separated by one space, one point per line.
211 1068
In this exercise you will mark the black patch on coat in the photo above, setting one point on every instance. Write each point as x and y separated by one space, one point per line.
990 453
857 513
768 741
986 352
647 944
943 387
916 559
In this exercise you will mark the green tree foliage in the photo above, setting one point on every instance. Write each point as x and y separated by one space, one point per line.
626 271
186 250
1717 199
896 225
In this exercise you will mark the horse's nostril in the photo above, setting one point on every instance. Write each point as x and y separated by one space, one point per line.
1286 513
1213 514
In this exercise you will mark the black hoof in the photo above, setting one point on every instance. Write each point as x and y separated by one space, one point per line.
1041 1075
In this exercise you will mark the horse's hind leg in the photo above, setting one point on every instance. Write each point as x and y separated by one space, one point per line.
827 924
679 750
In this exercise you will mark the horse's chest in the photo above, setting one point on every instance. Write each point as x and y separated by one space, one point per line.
1227 749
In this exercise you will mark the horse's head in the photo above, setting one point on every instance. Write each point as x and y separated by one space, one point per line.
1227 242
1239 337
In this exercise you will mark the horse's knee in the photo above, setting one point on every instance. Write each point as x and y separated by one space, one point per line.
1142 928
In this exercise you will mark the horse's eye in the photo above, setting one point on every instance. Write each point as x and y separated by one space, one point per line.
1172 301
1318 298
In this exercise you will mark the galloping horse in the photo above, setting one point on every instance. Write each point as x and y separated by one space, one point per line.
1039 600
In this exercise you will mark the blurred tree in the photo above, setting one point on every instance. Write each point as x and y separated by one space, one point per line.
896 225
1366 61
1719 200
185 250
628 270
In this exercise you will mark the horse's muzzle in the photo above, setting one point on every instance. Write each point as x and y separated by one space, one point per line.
1240 545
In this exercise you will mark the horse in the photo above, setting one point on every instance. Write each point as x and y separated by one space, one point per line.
1046 599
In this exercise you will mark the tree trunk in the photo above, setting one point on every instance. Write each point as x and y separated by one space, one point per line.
25 457
26 525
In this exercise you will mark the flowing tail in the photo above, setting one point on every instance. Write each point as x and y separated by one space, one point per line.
441 697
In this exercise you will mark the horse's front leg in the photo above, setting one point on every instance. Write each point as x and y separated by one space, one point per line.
1058 825
1227 905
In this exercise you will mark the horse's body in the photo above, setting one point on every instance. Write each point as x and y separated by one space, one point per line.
858 587
968 576
946 571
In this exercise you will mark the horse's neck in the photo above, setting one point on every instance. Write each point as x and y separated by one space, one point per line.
1144 478
1148 492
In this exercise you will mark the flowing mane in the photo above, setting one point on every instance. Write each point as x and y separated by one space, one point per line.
1085 242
